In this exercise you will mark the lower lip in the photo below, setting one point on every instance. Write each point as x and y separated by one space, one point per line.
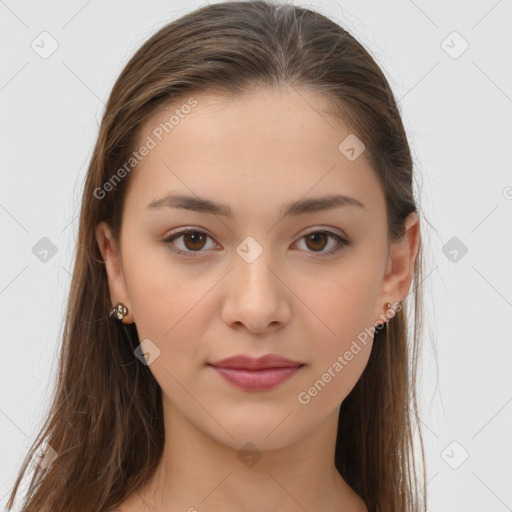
257 380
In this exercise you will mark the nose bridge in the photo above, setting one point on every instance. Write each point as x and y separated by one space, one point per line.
252 265
256 295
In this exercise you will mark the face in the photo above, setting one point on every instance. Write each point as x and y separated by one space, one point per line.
303 283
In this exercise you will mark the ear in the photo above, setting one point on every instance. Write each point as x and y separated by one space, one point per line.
113 265
400 267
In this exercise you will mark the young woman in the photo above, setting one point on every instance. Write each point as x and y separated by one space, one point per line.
237 330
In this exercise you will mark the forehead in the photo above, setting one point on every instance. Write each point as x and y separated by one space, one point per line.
269 145
258 119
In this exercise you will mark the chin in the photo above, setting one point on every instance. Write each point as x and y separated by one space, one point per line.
260 437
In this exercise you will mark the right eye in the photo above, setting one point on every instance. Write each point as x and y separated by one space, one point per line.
193 239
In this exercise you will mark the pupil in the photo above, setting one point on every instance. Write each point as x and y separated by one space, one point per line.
195 238
315 236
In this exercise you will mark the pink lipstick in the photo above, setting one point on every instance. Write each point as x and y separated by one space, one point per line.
257 374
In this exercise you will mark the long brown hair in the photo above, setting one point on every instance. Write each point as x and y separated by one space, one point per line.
105 421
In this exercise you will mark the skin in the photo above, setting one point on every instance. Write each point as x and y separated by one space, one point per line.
253 154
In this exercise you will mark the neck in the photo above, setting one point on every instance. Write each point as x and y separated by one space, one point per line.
197 472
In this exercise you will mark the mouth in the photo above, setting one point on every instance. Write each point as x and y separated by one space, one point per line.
258 379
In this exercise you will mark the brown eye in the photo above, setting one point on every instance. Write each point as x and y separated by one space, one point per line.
194 240
316 241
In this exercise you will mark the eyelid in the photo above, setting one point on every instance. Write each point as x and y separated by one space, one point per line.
320 229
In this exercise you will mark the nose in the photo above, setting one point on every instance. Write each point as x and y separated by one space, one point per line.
256 298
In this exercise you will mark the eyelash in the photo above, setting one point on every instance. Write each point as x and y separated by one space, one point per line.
194 254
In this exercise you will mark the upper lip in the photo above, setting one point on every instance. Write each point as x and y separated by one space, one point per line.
245 362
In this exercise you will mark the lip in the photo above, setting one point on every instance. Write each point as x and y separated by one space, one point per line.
244 362
257 374
257 380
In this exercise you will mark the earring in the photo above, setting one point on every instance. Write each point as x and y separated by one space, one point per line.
379 325
119 311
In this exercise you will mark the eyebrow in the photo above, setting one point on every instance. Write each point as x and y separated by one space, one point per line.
302 206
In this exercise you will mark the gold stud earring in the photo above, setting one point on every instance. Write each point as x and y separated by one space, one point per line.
387 306
119 311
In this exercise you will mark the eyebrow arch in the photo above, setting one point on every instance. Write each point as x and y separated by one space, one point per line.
302 206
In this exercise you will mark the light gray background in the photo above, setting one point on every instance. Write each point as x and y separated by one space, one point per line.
458 115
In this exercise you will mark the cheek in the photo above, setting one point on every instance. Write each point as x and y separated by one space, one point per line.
161 293
346 304
341 331
339 354
173 307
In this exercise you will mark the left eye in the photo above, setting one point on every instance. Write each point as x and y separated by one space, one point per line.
315 238
194 241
